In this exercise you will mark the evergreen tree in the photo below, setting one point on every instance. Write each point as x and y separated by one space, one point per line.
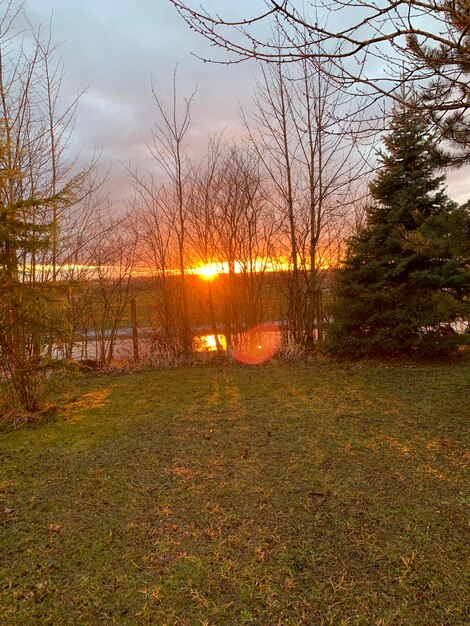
447 96
22 299
407 273
27 303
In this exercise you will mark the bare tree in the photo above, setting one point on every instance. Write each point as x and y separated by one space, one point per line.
170 151
113 260
245 232
155 216
35 189
272 132
77 233
203 224
308 134
424 42
332 164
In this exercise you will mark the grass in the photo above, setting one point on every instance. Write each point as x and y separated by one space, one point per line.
304 493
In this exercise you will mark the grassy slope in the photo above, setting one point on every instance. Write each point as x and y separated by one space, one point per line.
307 493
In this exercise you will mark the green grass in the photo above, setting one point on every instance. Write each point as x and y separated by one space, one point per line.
304 493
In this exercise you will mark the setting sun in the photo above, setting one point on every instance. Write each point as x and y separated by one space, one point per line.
209 271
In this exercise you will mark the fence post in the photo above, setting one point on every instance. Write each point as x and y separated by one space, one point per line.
319 316
135 336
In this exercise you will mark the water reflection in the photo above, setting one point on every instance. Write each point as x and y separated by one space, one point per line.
256 345
210 343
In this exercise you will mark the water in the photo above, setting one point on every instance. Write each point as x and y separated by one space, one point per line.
256 345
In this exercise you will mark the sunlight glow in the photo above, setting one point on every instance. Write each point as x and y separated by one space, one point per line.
208 343
258 345
207 272
210 271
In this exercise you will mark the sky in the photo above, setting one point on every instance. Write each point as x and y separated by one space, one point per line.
116 49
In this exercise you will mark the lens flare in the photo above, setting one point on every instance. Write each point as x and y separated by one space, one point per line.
258 345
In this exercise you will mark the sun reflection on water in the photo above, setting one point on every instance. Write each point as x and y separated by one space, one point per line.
208 343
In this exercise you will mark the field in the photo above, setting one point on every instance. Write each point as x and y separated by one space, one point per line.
148 297
293 493
271 299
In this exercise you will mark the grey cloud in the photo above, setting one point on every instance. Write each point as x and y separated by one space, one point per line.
116 49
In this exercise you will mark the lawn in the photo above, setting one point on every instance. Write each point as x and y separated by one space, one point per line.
292 493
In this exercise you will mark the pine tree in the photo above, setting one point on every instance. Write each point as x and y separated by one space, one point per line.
22 308
26 302
447 96
406 276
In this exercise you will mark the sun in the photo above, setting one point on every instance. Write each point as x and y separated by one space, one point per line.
208 272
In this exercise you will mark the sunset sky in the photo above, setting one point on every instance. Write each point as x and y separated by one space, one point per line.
116 48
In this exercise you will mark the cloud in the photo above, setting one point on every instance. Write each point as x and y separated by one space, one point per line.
116 49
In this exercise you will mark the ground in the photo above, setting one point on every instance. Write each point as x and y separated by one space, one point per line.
291 493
